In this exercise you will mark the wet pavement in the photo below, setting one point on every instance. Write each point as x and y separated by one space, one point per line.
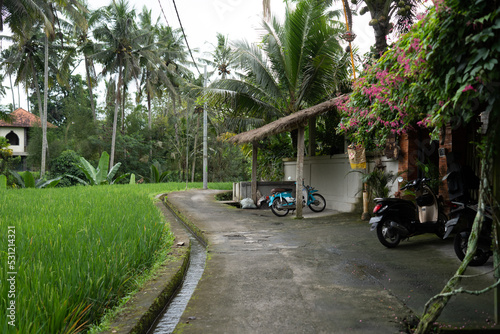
326 273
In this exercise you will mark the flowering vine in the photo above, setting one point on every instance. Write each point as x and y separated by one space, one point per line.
427 78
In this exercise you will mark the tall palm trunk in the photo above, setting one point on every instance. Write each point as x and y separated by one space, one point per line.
44 115
149 126
13 95
122 103
89 84
115 118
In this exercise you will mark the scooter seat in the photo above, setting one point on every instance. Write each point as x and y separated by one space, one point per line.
280 190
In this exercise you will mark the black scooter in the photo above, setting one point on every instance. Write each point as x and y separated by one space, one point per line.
463 217
397 218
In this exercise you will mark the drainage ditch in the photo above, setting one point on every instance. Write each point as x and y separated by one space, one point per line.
170 317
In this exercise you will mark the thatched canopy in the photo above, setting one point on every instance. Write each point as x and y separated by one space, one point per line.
283 124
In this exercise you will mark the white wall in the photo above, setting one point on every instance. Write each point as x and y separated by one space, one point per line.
334 179
20 133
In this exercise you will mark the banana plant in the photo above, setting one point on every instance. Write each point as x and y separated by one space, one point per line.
156 175
27 180
100 175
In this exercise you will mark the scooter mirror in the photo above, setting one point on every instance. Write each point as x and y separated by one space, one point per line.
400 179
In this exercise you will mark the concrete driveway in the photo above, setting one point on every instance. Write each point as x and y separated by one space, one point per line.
321 274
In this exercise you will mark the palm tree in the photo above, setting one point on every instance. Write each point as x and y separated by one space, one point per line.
160 48
87 48
9 69
119 36
22 16
298 64
223 57
402 12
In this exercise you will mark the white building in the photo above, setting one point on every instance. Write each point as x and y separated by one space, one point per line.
16 131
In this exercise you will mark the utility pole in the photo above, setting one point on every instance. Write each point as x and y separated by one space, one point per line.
205 148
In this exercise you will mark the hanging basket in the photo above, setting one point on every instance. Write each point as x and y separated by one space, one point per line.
348 36
357 156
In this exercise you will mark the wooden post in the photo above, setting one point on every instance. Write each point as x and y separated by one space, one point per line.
300 172
254 171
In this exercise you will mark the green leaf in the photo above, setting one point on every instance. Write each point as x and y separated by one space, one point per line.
29 180
18 178
78 179
3 182
155 175
489 66
132 179
88 170
121 177
49 183
102 169
112 173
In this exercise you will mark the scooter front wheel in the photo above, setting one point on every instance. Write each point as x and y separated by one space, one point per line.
441 225
319 203
278 207
461 242
387 234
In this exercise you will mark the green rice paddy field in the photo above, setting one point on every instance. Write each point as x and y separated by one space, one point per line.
69 254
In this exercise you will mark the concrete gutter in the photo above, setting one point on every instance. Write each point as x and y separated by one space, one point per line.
142 310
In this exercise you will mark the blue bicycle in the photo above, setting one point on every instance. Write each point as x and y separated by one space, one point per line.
282 201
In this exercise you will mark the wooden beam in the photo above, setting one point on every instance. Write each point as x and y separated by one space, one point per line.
300 172
254 171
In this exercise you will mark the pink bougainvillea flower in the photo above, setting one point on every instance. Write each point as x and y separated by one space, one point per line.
468 87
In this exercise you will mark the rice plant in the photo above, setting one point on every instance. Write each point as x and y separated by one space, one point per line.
77 251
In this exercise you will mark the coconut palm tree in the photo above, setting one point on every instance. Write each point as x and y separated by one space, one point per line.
22 16
298 64
119 38
87 47
387 15
223 58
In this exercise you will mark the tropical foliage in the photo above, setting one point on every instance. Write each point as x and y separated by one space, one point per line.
27 180
428 79
100 175
444 71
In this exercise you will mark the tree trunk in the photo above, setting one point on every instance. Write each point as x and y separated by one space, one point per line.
89 84
195 147
44 115
149 127
300 172
13 95
115 118
254 171
435 306
122 103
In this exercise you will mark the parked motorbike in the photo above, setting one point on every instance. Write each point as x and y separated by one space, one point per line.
282 201
463 217
397 218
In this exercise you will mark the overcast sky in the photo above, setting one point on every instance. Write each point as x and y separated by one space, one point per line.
203 19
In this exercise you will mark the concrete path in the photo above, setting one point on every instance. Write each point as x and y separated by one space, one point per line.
322 274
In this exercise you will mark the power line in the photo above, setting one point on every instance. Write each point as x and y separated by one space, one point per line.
164 16
184 34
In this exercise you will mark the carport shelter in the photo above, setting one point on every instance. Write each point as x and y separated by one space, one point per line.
288 123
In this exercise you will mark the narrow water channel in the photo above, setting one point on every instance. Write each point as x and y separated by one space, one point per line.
167 322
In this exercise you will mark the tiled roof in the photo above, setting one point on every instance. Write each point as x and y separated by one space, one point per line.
24 119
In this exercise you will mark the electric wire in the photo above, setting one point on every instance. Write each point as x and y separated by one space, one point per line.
185 38
163 12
